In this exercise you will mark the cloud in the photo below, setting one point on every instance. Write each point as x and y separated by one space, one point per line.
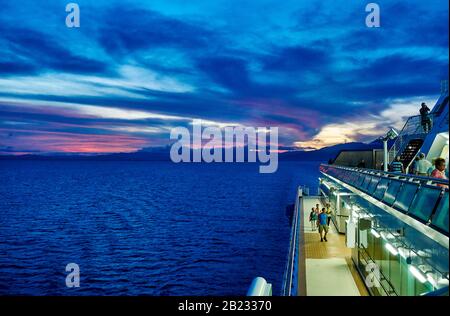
296 59
38 141
134 69
229 72
394 67
137 29
9 68
358 128
32 49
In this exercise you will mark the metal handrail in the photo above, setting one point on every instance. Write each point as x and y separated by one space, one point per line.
365 254
431 231
290 266
413 126
356 178
398 176
407 169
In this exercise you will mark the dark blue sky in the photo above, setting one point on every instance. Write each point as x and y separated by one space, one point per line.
135 69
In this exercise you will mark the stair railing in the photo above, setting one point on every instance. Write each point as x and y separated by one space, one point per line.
408 167
413 126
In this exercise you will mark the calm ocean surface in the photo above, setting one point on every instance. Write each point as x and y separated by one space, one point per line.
144 228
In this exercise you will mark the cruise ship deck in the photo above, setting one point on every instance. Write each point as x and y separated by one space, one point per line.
325 268
389 231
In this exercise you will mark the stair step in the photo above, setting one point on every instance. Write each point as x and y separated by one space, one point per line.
410 151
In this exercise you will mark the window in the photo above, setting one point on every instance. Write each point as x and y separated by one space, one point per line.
424 203
440 218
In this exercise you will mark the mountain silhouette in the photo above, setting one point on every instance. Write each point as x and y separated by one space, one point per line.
163 154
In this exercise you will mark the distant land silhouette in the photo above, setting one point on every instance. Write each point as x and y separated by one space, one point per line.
163 154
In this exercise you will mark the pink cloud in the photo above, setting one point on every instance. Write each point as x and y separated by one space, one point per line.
70 142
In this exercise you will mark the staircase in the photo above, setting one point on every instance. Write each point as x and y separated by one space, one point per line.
409 141
410 151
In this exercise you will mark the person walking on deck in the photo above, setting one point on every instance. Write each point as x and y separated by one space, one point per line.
397 166
323 227
414 165
317 209
328 212
313 219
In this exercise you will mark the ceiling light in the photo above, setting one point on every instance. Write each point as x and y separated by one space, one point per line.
375 233
391 249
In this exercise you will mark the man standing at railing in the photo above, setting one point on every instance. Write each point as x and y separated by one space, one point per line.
425 117
422 166
397 166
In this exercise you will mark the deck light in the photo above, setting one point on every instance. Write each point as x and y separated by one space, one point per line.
375 233
391 249
417 274
391 134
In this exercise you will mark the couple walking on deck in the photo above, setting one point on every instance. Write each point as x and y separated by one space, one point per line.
320 219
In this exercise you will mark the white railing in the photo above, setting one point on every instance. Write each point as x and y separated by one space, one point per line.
412 127
291 266
259 286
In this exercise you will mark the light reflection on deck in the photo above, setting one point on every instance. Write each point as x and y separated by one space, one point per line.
328 269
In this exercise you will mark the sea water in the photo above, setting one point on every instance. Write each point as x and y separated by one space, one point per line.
144 228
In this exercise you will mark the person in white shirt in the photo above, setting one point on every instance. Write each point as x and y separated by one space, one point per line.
423 166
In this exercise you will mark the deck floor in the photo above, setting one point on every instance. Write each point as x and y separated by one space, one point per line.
328 268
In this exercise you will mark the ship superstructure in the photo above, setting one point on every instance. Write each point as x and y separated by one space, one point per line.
390 231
